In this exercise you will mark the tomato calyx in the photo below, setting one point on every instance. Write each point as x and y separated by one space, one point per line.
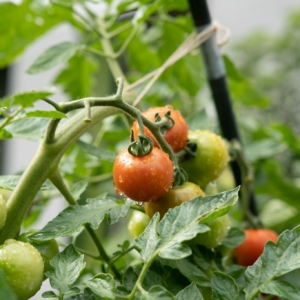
180 177
143 145
164 123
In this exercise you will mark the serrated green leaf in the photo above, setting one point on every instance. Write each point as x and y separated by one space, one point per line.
67 267
154 293
190 292
27 99
71 220
231 70
53 56
5 290
5 135
77 77
182 223
9 182
45 114
78 188
282 289
276 260
31 128
49 294
102 153
103 285
234 237
223 287
189 270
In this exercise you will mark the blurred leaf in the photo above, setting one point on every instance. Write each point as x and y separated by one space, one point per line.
78 188
9 182
155 292
21 24
199 120
282 289
67 267
31 129
53 56
5 290
71 220
5 135
275 261
223 287
189 270
231 70
190 292
102 153
45 114
77 77
49 294
182 223
263 149
234 238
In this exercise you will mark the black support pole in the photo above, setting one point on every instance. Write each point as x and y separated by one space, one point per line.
216 76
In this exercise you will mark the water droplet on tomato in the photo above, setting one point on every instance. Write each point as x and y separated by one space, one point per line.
139 203
153 171
120 179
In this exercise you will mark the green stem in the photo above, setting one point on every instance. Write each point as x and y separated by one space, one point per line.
57 180
96 257
10 117
114 259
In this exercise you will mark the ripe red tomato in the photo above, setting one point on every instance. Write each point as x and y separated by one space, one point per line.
253 246
176 136
143 178
173 198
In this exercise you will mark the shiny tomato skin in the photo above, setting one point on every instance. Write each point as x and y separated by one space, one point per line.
176 136
137 224
253 246
211 157
173 198
143 178
22 266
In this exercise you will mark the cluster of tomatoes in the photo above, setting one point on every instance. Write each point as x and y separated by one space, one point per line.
148 179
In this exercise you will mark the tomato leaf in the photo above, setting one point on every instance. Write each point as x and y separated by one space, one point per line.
78 188
182 223
189 270
235 237
155 292
4 134
102 153
223 287
67 267
282 289
53 56
190 292
71 220
105 286
9 182
276 260
31 128
5 290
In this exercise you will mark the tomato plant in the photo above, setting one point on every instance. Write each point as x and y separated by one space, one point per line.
173 198
126 59
252 247
23 267
211 157
176 136
47 249
137 223
143 178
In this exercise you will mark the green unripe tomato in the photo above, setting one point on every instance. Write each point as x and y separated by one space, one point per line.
173 198
137 223
218 231
47 249
211 157
3 212
23 268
